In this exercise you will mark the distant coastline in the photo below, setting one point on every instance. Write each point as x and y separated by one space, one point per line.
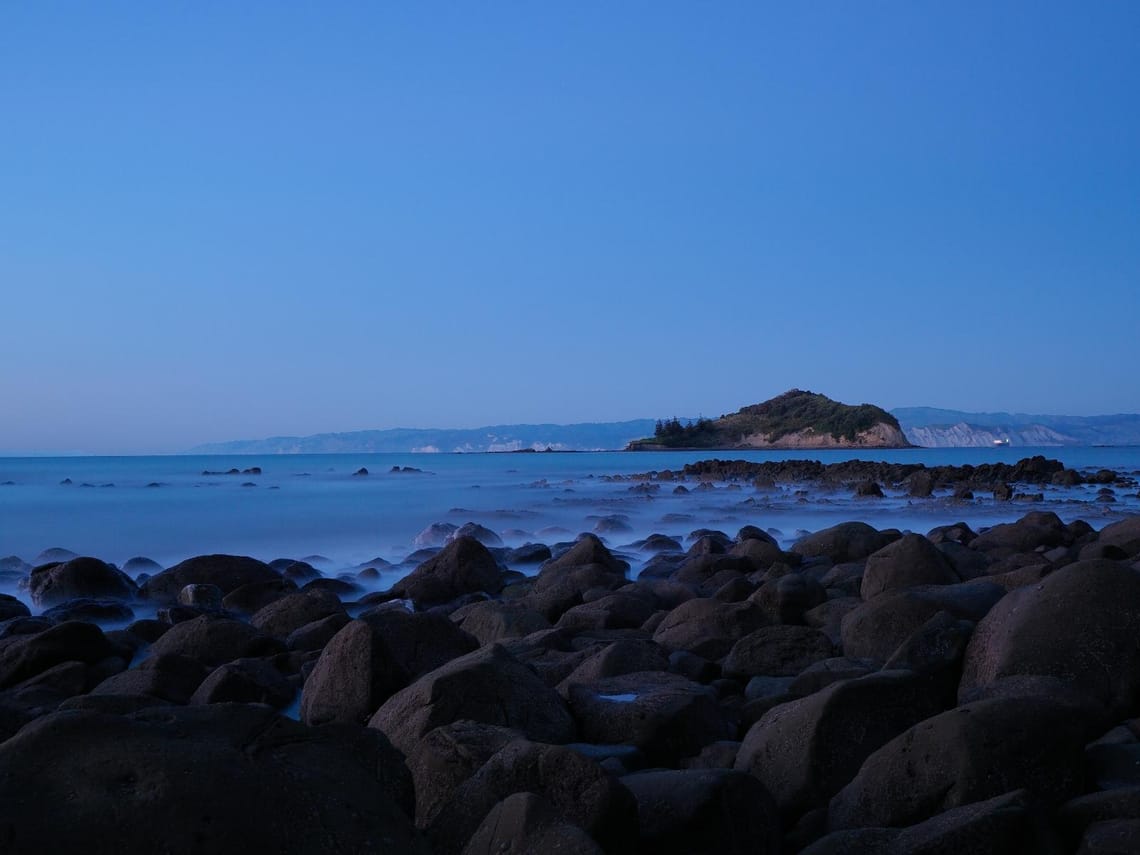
922 427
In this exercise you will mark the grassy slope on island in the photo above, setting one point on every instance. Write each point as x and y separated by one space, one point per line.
779 417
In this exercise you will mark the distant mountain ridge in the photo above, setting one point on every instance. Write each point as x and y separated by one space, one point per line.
929 427
588 436
932 427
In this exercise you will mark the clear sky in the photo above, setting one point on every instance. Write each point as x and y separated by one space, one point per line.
235 220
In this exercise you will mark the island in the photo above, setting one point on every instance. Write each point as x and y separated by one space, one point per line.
795 419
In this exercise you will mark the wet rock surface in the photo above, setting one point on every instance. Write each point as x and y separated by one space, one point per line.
859 690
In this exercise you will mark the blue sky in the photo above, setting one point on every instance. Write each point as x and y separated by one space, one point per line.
283 219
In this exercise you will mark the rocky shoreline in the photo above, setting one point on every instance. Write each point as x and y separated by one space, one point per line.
862 690
914 479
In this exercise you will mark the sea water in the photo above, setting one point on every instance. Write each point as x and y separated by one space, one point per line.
165 508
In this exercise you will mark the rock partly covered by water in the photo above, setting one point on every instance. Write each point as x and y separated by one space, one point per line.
915 478
863 691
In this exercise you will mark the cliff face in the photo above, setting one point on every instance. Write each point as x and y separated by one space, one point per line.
937 428
881 435
963 435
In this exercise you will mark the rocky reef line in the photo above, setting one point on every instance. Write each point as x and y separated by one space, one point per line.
915 479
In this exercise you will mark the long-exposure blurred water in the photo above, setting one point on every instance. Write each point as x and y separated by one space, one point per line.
165 508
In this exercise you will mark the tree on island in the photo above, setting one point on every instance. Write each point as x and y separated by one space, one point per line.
673 431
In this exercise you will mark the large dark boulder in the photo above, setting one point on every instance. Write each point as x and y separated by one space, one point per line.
658 542
228 572
245 681
959 533
217 779
1124 534
1080 624
777 651
936 648
588 549
701 569
967 754
464 566
480 533
12 607
446 757
828 617
911 560
621 657
1009 824
214 640
850 541
528 553
113 704
281 617
79 578
44 692
823 674
619 610
1039 528
25 656
806 750
576 787
762 553
875 629
1117 803
92 611
525 823
372 658
709 627
666 715
967 563
169 677
556 591
1111 837
253 597
488 686
419 642
562 582
315 635
704 811
353 676
496 620
787 598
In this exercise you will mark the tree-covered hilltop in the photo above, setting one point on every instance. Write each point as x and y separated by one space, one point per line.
795 419
797 410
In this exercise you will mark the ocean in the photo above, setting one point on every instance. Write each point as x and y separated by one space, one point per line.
165 507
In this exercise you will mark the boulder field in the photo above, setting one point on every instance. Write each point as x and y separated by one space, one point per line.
862 691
